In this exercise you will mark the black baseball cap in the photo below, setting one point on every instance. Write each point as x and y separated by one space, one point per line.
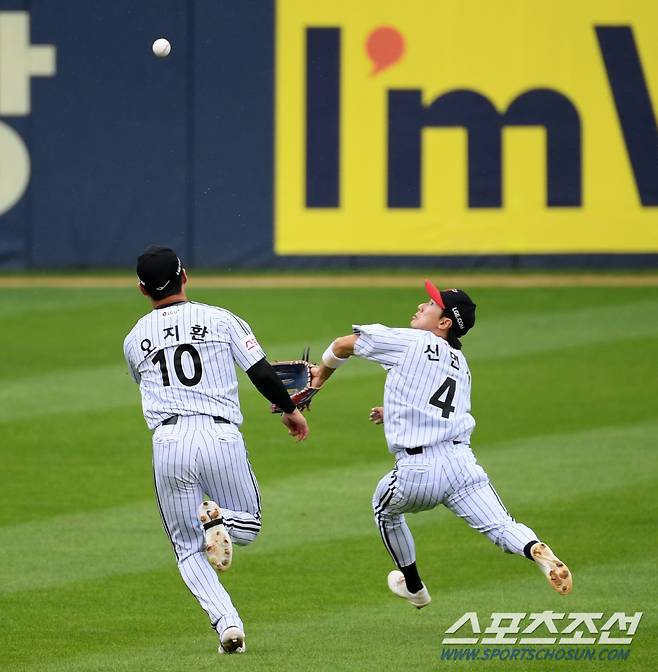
158 267
457 303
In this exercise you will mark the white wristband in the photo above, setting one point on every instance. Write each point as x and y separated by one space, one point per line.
330 360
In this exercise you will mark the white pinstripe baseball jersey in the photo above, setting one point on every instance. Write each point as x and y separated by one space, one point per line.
427 396
183 357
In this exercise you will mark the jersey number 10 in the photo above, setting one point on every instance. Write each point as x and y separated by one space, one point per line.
178 365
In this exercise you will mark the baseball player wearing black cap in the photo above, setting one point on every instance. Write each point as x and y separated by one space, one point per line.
183 355
428 424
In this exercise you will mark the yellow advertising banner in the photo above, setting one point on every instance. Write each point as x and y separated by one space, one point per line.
435 127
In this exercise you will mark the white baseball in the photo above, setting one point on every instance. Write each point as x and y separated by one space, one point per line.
161 47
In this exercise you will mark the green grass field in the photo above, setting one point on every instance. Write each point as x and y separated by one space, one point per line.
566 399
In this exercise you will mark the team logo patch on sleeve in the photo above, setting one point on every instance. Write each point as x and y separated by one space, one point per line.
249 342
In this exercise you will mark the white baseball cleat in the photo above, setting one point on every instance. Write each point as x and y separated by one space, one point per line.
232 640
219 548
398 587
556 572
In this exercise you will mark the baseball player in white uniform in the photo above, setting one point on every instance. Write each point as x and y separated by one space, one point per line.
428 425
183 356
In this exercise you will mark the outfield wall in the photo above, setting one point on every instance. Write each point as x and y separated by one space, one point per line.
330 133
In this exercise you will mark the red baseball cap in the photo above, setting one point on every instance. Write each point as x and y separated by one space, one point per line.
456 303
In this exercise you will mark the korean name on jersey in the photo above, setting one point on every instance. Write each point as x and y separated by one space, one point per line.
183 356
427 396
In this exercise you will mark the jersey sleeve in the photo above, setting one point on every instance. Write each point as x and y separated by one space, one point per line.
127 353
245 348
380 344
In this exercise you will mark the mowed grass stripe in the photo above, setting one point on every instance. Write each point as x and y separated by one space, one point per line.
74 456
73 337
369 613
66 392
554 330
88 389
335 306
566 432
310 602
294 514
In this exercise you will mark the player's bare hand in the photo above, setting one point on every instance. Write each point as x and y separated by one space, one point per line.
316 381
377 415
296 424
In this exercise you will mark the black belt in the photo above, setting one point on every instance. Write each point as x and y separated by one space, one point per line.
174 419
419 449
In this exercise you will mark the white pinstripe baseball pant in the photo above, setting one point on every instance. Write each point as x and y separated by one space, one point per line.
446 474
192 457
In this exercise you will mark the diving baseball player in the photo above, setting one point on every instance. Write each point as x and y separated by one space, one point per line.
427 423
183 356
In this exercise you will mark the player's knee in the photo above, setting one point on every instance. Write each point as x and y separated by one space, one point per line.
381 504
387 519
499 533
185 553
376 502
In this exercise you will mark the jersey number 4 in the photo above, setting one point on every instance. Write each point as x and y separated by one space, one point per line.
178 365
447 388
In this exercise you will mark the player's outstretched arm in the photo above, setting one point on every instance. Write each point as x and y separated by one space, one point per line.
265 380
334 356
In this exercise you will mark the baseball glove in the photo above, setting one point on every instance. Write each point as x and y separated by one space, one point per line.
296 378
